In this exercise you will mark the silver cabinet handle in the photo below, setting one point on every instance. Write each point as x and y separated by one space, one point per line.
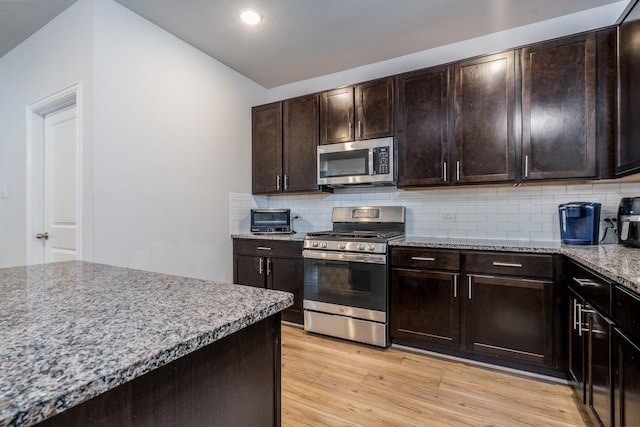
350 130
470 287
526 166
455 286
42 236
419 258
457 170
444 171
579 318
360 128
263 248
261 266
585 282
286 181
506 264
277 182
268 266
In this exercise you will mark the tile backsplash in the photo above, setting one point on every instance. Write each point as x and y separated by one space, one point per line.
528 212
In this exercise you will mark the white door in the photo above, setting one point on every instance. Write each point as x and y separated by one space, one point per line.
60 199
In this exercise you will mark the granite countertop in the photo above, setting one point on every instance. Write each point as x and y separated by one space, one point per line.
73 330
296 237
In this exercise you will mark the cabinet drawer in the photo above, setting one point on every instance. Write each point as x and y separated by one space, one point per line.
290 249
510 264
425 258
627 309
595 289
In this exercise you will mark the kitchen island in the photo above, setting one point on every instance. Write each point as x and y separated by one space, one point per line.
91 344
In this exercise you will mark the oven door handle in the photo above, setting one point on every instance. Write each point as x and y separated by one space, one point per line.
345 256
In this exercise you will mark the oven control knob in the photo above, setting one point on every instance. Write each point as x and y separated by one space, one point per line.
343 245
361 246
314 244
372 247
324 245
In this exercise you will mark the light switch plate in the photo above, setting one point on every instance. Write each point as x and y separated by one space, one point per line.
4 192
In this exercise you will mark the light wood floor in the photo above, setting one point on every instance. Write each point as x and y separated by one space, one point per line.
330 382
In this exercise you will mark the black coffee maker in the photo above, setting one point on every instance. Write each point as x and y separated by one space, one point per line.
629 222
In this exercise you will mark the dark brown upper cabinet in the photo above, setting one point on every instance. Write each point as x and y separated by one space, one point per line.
284 145
358 112
266 150
628 143
485 107
300 143
561 126
423 127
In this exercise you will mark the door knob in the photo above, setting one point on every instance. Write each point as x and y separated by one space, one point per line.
42 236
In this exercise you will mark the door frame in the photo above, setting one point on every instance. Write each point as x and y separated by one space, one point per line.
71 95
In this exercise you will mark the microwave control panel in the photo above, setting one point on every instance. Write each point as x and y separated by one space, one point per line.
381 160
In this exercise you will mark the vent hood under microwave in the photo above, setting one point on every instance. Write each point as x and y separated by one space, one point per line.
370 162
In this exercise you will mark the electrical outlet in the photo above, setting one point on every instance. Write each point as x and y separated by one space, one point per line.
448 217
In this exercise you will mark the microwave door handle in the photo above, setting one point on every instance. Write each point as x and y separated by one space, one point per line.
371 170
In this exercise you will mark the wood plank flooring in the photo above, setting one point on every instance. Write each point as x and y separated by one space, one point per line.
330 382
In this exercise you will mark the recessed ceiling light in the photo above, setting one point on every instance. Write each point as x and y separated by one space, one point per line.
250 16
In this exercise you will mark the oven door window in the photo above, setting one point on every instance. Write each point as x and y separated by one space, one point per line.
346 283
344 163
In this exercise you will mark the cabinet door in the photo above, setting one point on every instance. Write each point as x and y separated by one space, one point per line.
510 317
249 270
266 150
286 274
374 103
336 116
424 307
559 109
599 379
300 143
628 144
577 348
423 127
627 381
485 137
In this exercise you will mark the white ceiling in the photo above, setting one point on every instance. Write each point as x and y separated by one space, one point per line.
301 39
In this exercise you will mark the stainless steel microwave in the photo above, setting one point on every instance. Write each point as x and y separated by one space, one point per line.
276 221
370 162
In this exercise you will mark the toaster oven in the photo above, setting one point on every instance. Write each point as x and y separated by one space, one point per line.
271 221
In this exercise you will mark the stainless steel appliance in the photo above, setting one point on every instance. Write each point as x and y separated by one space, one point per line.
629 221
369 162
271 221
346 274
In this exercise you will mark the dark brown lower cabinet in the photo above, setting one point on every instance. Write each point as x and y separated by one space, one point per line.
495 307
273 265
627 380
425 307
599 379
510 317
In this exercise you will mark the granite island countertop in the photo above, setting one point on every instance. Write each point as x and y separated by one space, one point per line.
73 330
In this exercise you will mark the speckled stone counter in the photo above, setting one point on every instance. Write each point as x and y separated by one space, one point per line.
478 244
299 237
616 262
71 331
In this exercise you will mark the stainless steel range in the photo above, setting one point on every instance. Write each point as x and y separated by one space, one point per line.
346 274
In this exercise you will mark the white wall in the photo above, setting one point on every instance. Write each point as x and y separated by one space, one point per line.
56 57
172 140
